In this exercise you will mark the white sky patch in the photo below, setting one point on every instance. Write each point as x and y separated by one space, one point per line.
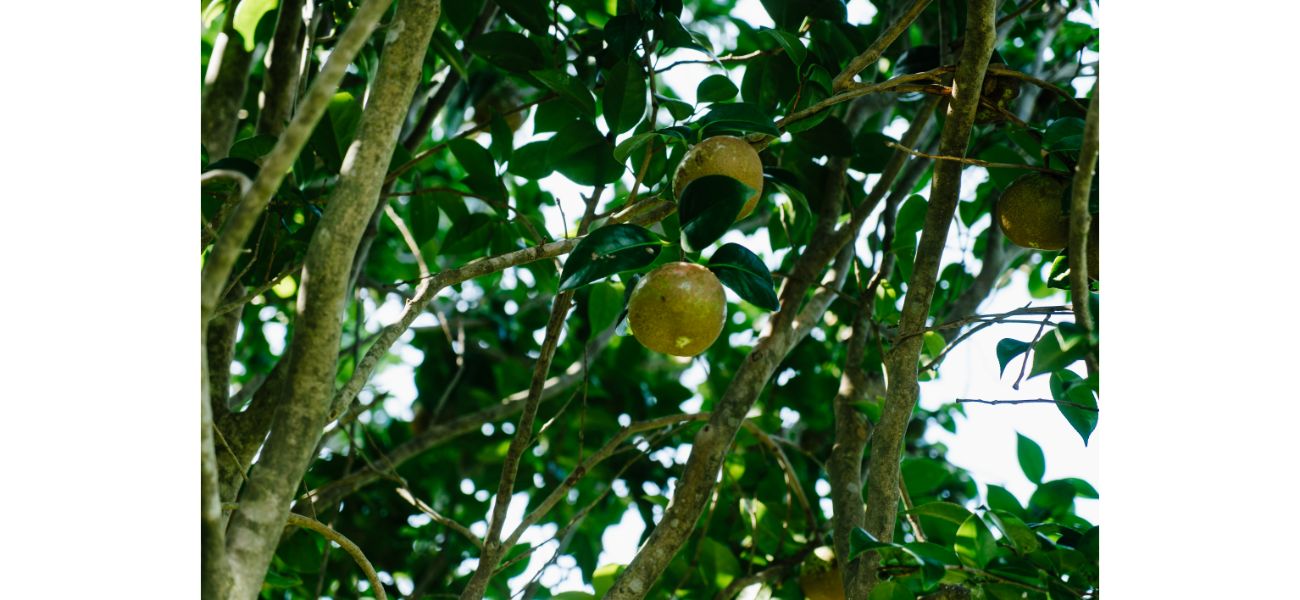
619 541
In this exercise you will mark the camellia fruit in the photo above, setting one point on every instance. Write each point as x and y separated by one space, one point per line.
1029 213
722 155
677 309
820 577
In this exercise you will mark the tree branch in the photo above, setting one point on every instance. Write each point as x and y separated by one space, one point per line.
901 362
224 87
348 546
975 161
877 48
313 354
215 581
280 86
1033 401
1080 223
276 164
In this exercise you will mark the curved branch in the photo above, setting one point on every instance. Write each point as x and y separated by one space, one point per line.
347 545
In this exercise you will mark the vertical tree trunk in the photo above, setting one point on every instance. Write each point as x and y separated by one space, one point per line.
223 88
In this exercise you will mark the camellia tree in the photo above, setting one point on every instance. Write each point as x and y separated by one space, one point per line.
732 315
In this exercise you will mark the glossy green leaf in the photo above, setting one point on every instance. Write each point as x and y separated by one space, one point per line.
482 171
1058 349
554 116
604 577
624 96
947 511
508 50
583 155
534 15
717 564
891 590
716 88
530 160
1063 135
569 89
424 216
1031 458
737 117
1001 499
743 272
708 207
1008 349
975 544
862 541
625 148
1015 530
1051 499
677 109
792 45
247 16
1076 402
1082 489
871 152
608 250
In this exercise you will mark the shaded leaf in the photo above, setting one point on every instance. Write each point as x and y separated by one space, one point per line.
508 50
708 207
1016 531
743 272
1031 458
609 250
737 117
570 89
583 155
716 88
1068 387
1008 349
975 545
624 96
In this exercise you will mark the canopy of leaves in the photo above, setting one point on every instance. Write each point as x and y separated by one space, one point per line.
520 117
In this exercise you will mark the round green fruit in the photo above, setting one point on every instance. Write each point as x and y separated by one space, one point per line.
677 309
722 155
1029 213
820 577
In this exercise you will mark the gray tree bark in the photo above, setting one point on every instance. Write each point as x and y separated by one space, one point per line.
255 528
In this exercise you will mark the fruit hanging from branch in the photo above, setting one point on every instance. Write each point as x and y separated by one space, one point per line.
677 309
722 155
1030 212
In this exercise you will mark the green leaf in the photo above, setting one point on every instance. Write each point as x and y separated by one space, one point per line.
447 51
708 207
1090 545
830 138
583 155
975 545
624 96
604 577
622 33
424 219
1067 386
625 148
923 475
554 116
1063 135
1051 499
1008 350
609 250
861 541
1082 489
947 511
480 168
791 44
508 50
530 161
737 117
1058 349
247 15
677 109
469 234
503 139
570 89
1031 458
533 15
743 272
604 305
716 88
1000 499
891 590
1022 538
870 152
717 563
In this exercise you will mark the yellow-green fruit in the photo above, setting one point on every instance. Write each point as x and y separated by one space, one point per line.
1030 214
677 309
820 577
722 155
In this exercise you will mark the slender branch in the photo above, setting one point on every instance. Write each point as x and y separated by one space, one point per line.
280 85
729 58
276 164
348 546
224 86
975 161
1028 4
1002 71
410 498
897 84
215 566
901 362
1033 401
1080 223
1024 364
877 48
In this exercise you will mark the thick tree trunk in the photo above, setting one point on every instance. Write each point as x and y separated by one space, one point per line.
313 355
223 88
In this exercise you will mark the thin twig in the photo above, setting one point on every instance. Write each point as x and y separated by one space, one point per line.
348 546
877 48
975 161
1032 401
438 517
1025 363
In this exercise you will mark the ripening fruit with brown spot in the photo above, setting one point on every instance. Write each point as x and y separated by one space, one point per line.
1030 213
677 309
722 155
